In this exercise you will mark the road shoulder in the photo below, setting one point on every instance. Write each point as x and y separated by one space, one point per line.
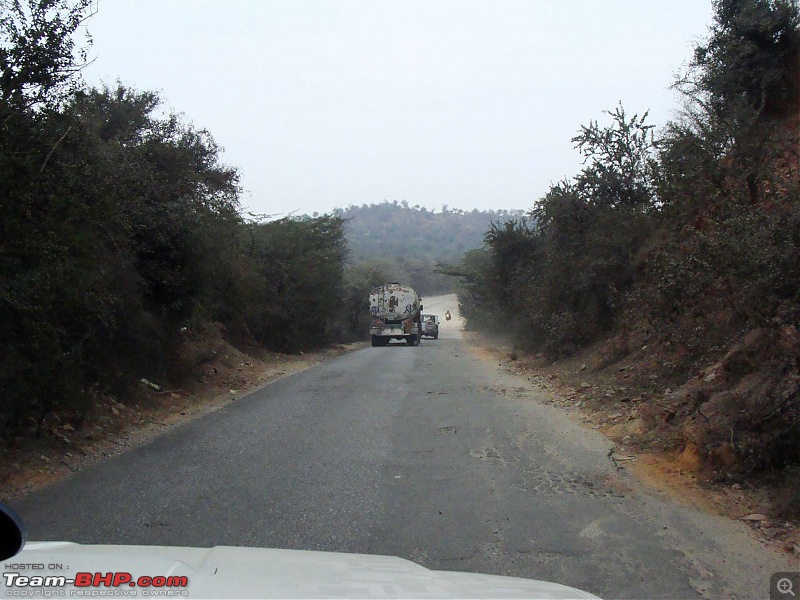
671 474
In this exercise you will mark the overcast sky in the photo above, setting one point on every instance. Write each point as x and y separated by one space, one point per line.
322 104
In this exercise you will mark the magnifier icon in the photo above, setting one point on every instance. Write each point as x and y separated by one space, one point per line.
785 586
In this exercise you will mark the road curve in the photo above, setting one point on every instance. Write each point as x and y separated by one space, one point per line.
429 453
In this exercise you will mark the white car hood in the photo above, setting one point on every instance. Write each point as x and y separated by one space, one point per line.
231 572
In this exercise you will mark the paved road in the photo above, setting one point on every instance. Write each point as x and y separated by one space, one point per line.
428 453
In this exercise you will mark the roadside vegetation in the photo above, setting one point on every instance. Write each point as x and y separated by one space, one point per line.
675 254
677 250
124 253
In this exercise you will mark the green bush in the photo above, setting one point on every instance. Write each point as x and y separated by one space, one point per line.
121 235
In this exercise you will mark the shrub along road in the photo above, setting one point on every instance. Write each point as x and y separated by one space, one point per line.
432 454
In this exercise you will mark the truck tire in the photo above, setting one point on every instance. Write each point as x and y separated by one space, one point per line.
436 335
412 340
379 340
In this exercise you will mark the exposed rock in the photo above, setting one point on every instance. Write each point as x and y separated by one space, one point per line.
754 517
773 532
634 427
622 457
150 384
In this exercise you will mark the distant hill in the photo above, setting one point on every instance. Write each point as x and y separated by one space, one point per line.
394 229
406 241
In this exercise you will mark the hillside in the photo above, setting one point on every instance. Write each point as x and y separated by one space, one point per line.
406 242
666 272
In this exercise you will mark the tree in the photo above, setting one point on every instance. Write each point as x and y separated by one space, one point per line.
37 66
360 279
37 48
751 60
621 168
302 264
561 276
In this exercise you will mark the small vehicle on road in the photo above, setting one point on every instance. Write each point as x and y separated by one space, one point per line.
430 326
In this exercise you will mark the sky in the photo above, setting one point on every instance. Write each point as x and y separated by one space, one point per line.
321 104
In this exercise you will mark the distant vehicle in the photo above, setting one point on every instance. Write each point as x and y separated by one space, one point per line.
395 310
430 326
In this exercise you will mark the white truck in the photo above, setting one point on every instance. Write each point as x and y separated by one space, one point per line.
395 311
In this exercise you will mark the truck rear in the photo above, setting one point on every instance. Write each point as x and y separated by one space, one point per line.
395 310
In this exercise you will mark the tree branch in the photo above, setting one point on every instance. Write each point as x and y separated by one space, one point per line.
53 149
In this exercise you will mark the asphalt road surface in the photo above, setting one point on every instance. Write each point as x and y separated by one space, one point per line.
429 453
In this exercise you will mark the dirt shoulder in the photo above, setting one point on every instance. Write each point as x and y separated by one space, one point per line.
620 405
112 427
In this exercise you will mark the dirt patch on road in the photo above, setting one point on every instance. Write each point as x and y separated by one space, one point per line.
624 404
111 427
